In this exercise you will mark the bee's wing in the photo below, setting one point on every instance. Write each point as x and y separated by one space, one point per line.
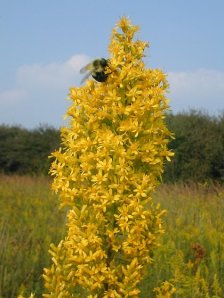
88 67
85 77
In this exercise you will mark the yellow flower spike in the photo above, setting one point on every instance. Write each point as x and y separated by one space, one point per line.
110 161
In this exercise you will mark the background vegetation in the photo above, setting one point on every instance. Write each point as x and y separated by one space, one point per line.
192 252
191 255
29 222
198 147
26 151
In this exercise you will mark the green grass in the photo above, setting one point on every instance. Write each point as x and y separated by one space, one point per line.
191 254
29 222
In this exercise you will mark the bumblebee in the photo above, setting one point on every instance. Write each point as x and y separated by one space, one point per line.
97 69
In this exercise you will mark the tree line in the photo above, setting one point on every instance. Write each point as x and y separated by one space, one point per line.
198 146
24 151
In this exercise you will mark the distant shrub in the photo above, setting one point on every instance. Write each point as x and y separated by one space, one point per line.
198 147
26 151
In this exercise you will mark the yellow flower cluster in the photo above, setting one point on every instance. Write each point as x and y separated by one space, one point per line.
167 290
111 160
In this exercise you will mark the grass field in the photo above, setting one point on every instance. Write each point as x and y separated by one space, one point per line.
29 222
191 254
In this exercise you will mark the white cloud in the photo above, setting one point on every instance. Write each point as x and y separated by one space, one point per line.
40 91
53 75
76 62
12 96
200 89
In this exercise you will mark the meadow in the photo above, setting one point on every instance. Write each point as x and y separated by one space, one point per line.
190 255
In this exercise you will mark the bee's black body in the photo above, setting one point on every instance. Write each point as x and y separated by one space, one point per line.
97 69
98 74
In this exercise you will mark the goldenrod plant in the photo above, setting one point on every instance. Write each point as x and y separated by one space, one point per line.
111 159
166 290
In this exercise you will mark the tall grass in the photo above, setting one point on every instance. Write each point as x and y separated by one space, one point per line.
29 222
191 254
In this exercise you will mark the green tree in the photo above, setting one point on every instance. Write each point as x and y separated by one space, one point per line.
26 151
198 147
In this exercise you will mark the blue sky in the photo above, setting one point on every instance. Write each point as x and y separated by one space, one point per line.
44 43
